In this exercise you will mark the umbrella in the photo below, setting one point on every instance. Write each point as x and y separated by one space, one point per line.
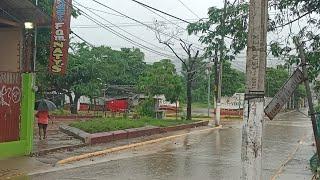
45 105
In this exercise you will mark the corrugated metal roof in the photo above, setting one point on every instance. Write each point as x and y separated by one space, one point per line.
22 11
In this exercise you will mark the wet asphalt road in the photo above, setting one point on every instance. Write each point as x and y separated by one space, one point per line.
211 154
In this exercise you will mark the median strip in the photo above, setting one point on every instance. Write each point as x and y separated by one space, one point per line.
124 147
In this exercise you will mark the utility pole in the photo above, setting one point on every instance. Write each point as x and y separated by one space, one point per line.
251 151
215 85
208 72
300 48
221 52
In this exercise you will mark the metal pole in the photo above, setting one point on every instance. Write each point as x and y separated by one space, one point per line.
215 86
300 49
239 101
251 152
209 92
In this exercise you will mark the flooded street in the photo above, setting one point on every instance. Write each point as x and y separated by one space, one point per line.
207 154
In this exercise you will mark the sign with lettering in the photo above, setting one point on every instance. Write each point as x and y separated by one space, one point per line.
283 94
60 29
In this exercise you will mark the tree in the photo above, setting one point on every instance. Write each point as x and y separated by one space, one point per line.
275 78
225 34
229 22
83 76
317 88
90 69
297 18
190 64
161 78
120 67
299 95
233 82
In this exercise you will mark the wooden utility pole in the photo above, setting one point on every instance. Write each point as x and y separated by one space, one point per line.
251 152
300 49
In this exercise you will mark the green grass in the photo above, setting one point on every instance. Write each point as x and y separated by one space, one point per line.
113 124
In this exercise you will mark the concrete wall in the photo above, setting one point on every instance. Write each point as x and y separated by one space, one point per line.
9 49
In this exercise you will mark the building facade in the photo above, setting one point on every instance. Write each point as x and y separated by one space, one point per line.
18 20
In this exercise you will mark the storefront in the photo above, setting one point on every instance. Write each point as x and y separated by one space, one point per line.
18 22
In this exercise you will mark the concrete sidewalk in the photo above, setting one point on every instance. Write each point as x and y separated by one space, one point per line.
56 140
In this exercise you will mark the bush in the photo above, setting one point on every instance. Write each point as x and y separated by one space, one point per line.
146 108
317 108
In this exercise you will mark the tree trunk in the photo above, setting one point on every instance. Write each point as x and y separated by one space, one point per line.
189 96
74 104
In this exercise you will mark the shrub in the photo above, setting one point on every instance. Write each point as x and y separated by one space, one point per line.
146 108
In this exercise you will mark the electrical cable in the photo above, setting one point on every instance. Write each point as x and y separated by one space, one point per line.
125 30
82 39
142 4
150 27
122 36
189 9
200 47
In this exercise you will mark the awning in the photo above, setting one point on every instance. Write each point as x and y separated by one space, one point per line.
16 12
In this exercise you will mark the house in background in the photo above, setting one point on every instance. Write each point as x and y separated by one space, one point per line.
86 104
18 20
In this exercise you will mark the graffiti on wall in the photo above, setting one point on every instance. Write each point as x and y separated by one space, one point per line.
10 99
10 92
9 95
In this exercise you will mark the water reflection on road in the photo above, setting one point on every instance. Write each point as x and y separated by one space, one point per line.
207 155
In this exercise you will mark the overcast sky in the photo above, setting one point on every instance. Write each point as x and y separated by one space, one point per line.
139 33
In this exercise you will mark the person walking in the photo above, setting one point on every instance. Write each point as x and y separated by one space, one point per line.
43 120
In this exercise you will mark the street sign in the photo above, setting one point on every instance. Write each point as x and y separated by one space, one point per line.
283 94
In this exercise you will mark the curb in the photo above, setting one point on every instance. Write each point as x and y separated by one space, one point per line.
124 147
75 132
47 151
104 137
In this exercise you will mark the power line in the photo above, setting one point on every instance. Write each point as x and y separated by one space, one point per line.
121 24
184 29
133 42
98 10
142 4
82 39
150 27
183 20
122 36
201 48
126 31
189 9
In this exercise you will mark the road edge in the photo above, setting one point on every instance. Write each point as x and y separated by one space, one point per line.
124 147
